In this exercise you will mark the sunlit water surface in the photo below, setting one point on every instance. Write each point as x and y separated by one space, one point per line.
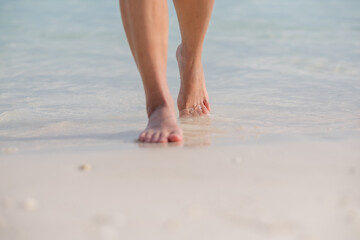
274 70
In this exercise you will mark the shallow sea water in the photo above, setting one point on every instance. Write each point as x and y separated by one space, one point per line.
274 70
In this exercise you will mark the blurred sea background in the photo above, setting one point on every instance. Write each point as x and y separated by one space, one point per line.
276 71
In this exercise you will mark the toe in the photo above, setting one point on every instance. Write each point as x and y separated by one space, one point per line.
148 137
207 104
142 136
162 138
155 137
199 110
205 110
175 136
184 113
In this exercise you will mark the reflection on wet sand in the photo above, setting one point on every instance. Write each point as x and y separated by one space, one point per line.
198 131
159 145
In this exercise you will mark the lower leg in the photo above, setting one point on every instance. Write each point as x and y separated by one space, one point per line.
194 17
146 26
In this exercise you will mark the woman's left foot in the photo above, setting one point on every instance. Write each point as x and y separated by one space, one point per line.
193 99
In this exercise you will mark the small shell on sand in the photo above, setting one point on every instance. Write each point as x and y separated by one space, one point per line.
10 150
85 167
29 204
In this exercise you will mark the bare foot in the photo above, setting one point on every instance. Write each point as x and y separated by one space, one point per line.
162 127
193 99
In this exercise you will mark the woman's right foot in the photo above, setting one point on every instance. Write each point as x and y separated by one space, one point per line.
193 99
162 126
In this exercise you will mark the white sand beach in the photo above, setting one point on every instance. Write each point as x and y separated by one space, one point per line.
295 190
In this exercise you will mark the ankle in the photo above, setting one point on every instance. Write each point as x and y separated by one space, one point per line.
159 103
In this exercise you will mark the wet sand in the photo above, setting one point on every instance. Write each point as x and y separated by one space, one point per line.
287 190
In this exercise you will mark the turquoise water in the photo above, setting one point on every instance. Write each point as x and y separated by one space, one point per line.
273 69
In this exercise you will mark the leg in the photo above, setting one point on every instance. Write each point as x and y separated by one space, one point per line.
194 17
146 26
